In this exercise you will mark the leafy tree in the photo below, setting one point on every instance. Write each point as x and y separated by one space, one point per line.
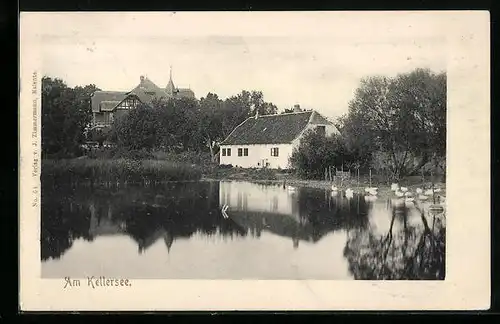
66 114
210 122
188 124
139 129
403 117
317 152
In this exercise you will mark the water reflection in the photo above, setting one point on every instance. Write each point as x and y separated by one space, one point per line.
409 248
333 237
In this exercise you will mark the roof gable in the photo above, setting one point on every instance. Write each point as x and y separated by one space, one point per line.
269 129
147 91
317 119
100 96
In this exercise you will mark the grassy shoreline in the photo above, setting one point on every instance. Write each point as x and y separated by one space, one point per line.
277 178
95 171
122 170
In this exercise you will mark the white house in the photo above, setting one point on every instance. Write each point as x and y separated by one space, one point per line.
269 140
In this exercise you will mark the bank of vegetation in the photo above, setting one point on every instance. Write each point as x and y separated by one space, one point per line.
115 171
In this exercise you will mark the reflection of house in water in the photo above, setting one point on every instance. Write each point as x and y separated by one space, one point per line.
253 197
268 208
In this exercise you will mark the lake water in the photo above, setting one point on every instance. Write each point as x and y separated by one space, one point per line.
177 231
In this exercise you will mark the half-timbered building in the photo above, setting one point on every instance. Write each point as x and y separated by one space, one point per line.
109 105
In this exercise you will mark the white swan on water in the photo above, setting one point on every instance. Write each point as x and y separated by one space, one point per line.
422 197
349 193
429 192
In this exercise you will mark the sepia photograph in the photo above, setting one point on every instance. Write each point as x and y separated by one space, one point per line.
240 155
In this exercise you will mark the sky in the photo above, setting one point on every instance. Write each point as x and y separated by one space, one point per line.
315 59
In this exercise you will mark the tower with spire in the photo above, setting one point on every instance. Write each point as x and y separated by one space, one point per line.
170 89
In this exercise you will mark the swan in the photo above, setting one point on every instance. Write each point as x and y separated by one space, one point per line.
290 188
429 192
394 186
399 193
404 189
408 194
349 193
419 190
437 190
334 188
373 191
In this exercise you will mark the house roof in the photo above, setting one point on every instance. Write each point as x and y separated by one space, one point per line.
185 93
273 129
100 96
147 91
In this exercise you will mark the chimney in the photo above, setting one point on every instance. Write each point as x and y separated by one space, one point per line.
296 108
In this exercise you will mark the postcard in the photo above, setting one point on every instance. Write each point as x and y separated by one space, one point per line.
220 161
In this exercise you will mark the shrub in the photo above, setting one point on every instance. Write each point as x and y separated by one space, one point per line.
316 153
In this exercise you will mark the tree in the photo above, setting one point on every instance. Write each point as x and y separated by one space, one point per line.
66 114
139 129
403 118
235 110
317 152
210 122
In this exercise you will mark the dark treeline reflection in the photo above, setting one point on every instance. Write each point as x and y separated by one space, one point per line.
415 251
167 212
146 214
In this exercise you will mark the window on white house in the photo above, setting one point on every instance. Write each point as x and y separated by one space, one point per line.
245 152
228 152
275 151
223 152
240 152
